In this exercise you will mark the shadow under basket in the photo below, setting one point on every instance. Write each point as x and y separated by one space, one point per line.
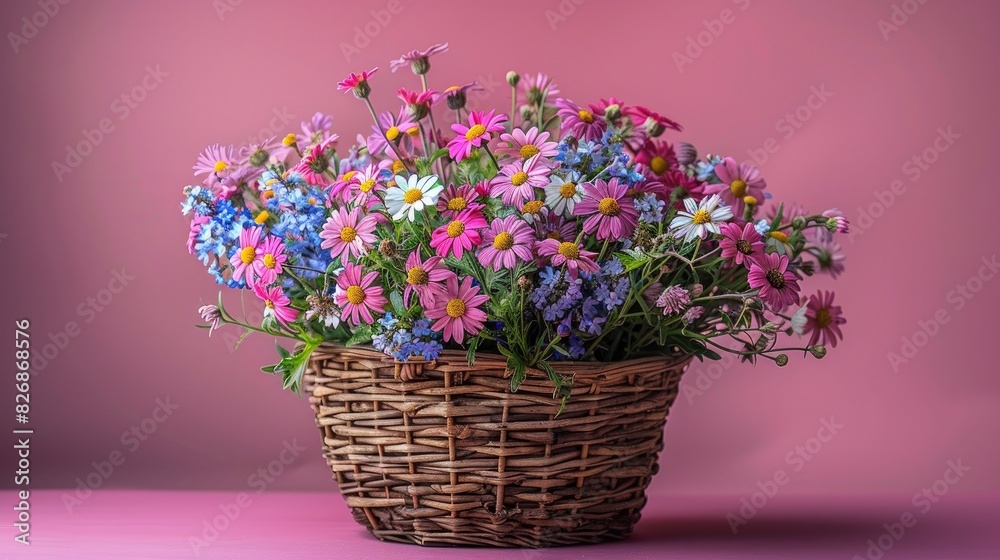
454 457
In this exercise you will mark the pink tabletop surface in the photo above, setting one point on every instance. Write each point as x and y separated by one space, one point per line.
281 525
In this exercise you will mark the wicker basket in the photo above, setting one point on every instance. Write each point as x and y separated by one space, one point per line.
453 457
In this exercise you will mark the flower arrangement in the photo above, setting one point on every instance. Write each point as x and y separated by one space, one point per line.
556 232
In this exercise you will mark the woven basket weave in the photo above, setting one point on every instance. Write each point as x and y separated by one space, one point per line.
453 457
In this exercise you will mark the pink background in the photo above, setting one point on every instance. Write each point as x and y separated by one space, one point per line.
227 78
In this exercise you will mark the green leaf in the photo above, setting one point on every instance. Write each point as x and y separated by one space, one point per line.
439 153
281 350
361 335
632 259
397 302
776 222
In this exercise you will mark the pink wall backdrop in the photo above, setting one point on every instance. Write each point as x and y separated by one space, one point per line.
895 123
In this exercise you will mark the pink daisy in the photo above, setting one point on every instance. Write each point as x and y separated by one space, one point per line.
357 83
823 319
776 285
479 132
738 181
417 60
537 87
367 183
569 253
524 145
426 278
459 310
609 212
397 128
246 255
555 226
316 163
657 157
579 122
829 255
507 241
272 257
216 160
455 199
317 129
348 234
743 245
460 234
417 99
649 121
456 96
516 182
276 303
357 296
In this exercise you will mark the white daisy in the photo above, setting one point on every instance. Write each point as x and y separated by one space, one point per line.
411 195
562 195
701 218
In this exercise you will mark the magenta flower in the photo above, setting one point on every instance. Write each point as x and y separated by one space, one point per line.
316 130
738 181
426 278
658 157
829 255
417 60
516 182
455 199
649 121
524 145
246 255
397 128
581 123
276 303
211 315
507 241
271 261
743 245
348 234
365 185
417 98
569 253
776 285
459 235
357 84
357 296
673 299
316 163
554 226
837 221
823 319
609 212
216 160
538 87
196 223
479 132
459 311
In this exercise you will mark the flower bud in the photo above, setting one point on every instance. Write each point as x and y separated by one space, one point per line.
817 351
750 200
781 360
387 247
613 112
455 97
420 66
697 290
289 140
527 113
686 153
654 128
362 90
798 222
513 78
259 158
524 283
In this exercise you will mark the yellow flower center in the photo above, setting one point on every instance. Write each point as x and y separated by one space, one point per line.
288 140
348 234
586 116
392 133
413 131
823 318
412 195
554 235
455 308
348 176
417 276
658 165
750 200
262 217
475 131
270 261
778 235
609 207
311 200
528 150
701 217
268 304
569 250
567 190
503 241
267 195
457 204
455 228
775 278
531 207
397 166
519 178
248 254
739 188
366 185
220 166
355 295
